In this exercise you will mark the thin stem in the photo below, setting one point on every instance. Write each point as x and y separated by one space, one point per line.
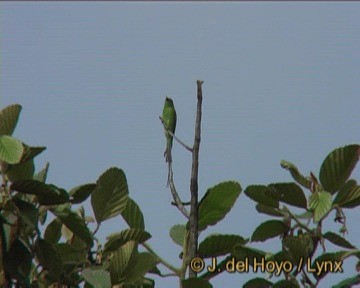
178 203
174 136
297 220
96 229
161 260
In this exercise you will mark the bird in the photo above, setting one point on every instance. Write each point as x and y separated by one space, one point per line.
169 121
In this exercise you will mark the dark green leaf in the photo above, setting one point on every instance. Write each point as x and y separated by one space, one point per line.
9 117
11 149
116 240
257 193
331 259
338 240
143 263
45 193
320 204
18 260
177 234
269 210
298 248
243 253
31 152
269 229
98 278
53 231
28 212
70 255
81 193
133 215
41 175
217 202
120 260
285 284
195 283
348 283
48 258
258 283
218 245
74 223
348 196
21 171
337 167
289 193
111 194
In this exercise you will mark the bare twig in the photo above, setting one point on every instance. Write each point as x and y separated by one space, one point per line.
178 203
194 217
176 138
161 260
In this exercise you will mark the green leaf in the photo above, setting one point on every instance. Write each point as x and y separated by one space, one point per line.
177 234
21 171
41 175
53 231
28 212
120 260
337 167
289 193
285 284
11 149
269 229
243 253
320 204
306 215
332 258
195 283
258 194
217 202
98 278
45 193
80 193
48 258
9 117
258 283
219 244
70 255
143 263
338 240
18 260
298 248
269 210
348 283
133 215
111 194
74 223
348 196
297 176
31 152
116 240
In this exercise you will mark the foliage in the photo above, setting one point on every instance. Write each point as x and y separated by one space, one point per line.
46 240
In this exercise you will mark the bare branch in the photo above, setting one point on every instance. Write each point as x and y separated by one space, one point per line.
178 203
194 217
176 138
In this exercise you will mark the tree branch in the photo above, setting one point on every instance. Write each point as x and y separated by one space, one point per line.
178 203
176 138
194 217
161 260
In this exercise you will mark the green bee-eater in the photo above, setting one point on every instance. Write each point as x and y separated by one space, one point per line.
169 118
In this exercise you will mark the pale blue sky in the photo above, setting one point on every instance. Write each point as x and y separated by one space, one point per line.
281 82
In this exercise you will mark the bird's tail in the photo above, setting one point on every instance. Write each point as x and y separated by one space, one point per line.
167 153
168 158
